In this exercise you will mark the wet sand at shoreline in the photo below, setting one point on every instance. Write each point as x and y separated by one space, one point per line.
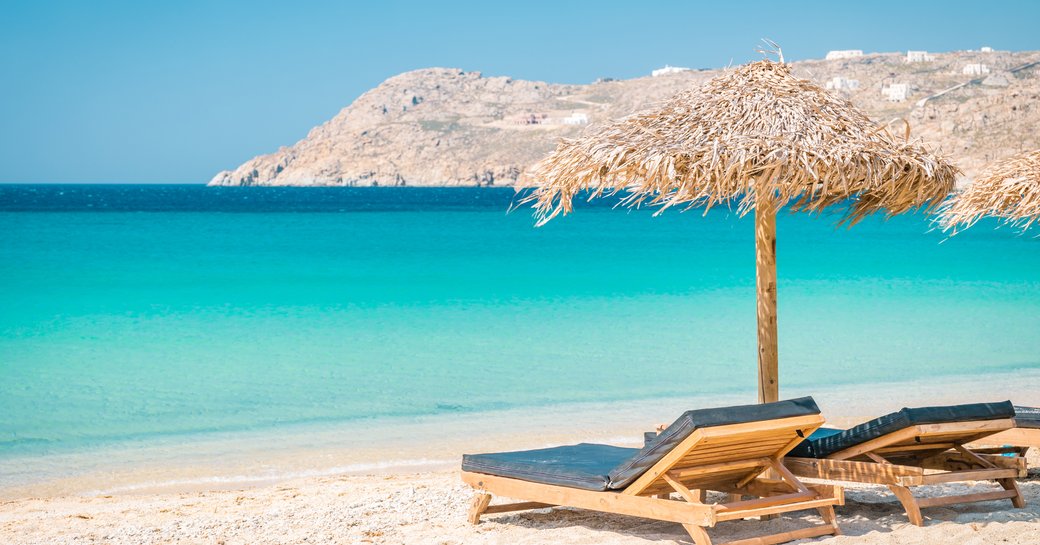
433 444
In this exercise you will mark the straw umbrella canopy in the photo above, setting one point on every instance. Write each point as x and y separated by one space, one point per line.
1008 189
758 138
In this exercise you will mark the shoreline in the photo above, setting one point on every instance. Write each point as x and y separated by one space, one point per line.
393 446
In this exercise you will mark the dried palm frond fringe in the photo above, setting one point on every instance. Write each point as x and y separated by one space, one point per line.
1007 189
756 132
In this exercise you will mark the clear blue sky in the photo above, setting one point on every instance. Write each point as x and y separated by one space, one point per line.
143 91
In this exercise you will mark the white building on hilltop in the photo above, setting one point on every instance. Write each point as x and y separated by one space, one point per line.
668 70
839 83
975 69
986 49
844 54
918 56
895 92
576 118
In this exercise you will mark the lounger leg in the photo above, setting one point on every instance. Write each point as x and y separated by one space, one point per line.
913 511
828 516
478 506
698 533
1010 484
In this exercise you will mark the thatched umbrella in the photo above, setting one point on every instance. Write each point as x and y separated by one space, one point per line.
757 137
1008 189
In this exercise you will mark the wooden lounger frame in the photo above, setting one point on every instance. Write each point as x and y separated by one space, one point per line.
923 455
729 459
1016 437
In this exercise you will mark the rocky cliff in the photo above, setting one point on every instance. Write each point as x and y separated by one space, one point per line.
442 126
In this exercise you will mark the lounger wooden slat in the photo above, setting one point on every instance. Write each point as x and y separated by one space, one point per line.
967 498
1021 437
860 472
1006 459
1025 434
804 533
922 454
733 459
519 506
968 475
611 502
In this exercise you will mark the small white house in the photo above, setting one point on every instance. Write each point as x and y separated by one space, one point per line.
576 118
839 83
975 69
918 56
896 92
986 49
844 54
668 70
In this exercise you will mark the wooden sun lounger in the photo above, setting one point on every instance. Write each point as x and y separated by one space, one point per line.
1017 440
923 454
732 459
1015 437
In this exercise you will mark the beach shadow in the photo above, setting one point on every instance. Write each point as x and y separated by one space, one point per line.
566 517
866 510
875 509
650 530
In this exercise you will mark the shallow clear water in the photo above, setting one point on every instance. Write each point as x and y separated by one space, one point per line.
131 312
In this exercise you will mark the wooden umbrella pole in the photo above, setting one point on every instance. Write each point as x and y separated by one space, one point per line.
765 268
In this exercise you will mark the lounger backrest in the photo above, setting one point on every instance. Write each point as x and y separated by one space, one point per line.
713 437
916 430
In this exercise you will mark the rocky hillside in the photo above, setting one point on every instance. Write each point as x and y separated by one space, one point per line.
443 126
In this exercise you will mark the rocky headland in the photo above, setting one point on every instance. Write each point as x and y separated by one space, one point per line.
449 127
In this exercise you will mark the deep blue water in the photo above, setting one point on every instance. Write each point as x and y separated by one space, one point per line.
141 311
196 198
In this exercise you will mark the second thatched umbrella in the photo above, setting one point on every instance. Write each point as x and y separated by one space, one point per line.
1008 189
758 137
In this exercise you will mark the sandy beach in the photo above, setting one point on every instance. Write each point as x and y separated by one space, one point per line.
340 503
431 508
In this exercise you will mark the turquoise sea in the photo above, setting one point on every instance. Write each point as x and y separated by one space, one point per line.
143 313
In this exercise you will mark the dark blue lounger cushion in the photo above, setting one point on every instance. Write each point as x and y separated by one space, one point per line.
827 441
585 465
1027 417
805 448
604 467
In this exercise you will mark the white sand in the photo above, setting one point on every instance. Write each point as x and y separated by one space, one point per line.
308 490
431 508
